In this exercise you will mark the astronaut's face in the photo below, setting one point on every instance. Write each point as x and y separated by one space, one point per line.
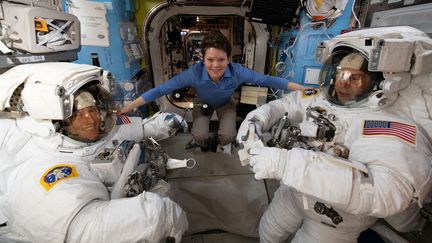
351 84
85 124
215 62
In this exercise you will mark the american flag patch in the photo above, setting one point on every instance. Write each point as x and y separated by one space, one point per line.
402 131
122 119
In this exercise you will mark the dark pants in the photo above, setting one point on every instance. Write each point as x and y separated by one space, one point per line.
227 124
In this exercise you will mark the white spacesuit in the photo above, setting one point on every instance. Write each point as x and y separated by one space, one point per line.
57 127
356 153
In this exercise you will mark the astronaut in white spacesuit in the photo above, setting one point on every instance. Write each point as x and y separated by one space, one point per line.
56 121
360 153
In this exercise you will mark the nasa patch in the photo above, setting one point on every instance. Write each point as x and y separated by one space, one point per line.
56 174
310 92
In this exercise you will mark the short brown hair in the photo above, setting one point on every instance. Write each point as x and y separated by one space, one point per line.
215 39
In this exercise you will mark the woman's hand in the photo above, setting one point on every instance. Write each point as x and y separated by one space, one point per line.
129 107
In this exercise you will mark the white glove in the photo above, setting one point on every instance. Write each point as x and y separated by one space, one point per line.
177 222
243 135
144 218
251 139
163 125
308 172
267 162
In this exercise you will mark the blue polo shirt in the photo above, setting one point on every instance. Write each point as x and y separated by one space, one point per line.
212 93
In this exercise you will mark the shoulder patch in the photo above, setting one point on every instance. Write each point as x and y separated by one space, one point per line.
310 92
402 131
57 173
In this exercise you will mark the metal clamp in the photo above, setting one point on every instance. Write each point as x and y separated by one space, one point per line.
178 163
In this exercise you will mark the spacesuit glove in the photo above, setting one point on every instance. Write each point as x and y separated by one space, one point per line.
163 125
243 135
176 220
267 162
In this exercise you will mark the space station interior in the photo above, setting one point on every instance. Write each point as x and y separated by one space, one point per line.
123 48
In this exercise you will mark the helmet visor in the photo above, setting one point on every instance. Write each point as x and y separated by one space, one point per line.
345 80
93 115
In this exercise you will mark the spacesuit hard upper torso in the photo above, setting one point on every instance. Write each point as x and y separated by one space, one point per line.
335 197
46 186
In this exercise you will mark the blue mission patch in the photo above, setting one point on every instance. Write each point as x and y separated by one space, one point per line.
310 92
56 174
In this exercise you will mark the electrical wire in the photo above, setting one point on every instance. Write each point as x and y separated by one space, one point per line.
354 14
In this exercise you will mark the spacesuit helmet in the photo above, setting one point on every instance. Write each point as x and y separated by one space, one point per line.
345 79
92 116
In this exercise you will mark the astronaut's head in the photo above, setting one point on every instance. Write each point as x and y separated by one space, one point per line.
352 80
58 100
85 122
392 57
345 79
92 115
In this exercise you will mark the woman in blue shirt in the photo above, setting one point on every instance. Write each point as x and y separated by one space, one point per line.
215 80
